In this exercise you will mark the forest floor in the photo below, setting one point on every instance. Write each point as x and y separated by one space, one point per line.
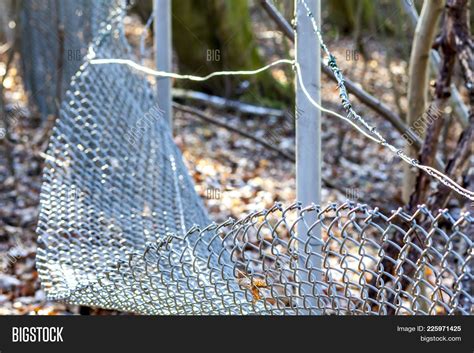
233 175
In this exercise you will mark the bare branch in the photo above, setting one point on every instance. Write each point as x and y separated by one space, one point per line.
418 93
220 102
213 121
365 97
460 108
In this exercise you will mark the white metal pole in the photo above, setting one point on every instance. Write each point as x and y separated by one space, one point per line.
162 31
308 150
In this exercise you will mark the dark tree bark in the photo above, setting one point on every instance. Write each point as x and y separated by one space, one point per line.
425 34
455 43
217 35
464 47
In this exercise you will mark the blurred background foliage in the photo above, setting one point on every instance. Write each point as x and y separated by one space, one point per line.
206 30
214 35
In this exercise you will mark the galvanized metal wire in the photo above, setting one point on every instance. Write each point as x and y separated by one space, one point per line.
250 265
352 114
121 226
352 117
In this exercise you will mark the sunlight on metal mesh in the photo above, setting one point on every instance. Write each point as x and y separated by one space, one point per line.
121 226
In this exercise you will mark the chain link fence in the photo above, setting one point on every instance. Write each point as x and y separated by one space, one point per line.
121 226
54 39
370 263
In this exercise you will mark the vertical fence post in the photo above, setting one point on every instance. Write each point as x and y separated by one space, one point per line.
308 150
162 31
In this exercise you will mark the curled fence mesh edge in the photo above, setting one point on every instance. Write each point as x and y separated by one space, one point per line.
122 227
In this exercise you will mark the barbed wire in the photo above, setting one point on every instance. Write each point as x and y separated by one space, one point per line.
157 73
136 235
351 113
352 116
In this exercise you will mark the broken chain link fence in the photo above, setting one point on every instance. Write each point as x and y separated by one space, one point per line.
250 266
121 226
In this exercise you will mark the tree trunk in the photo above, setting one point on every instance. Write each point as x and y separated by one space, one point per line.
418 81
215 35
347 15
454 42
461 42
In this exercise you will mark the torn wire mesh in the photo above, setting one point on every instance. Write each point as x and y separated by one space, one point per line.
250 266
121 226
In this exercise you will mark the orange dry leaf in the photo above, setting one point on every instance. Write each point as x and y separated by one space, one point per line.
253 285
259 283
255 294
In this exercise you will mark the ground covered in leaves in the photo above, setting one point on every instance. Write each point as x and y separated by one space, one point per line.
234 175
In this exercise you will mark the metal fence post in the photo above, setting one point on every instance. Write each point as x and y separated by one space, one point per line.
308 150
162 31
